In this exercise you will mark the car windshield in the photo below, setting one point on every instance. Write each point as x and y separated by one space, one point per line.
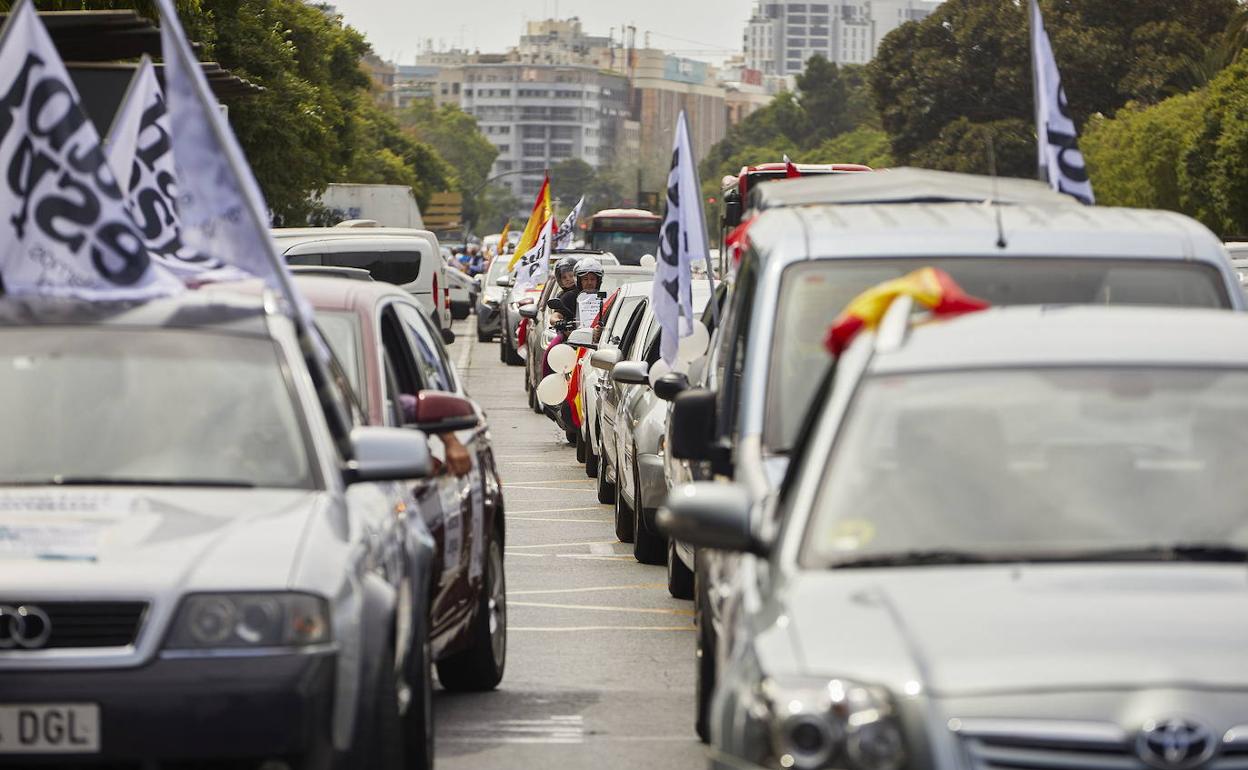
1035 462
162 407
812 294
498 268
627 247
342 331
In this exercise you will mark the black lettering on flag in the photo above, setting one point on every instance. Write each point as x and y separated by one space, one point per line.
16 95
28 167
82 209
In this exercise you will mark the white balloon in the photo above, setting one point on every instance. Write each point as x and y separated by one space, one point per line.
553 390
659 369
647 260
692 347
561 358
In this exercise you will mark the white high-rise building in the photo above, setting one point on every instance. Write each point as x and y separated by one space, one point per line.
782 34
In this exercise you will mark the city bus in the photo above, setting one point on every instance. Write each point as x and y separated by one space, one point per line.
629 234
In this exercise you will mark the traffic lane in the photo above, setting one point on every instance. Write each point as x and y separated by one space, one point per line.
600 658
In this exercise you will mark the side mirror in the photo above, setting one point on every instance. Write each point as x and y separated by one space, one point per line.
504 281
448 336
708 514
605 359
631 373
554 304
387 454
581 338
671 385
693 421
438 412
528 311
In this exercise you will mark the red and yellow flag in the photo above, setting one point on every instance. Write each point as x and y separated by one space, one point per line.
929 286
533 230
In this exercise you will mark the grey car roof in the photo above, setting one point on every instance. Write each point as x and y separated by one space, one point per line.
970 229
216 310
1073 335
904 185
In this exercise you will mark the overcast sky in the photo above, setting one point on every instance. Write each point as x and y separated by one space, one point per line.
701 29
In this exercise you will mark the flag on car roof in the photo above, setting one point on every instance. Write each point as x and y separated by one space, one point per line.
537 222
567 231
222 210
141 154
682 239
790 170
1061 162
929 286
64 227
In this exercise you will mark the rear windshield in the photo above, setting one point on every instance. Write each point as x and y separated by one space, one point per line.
812 294
628 247
396 267
160 407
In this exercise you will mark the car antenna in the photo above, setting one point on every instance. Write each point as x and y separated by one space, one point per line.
996 191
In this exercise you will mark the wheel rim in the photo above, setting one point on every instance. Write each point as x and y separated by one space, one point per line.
497 604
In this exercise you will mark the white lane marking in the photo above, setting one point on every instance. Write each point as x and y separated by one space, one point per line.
531 555
590 557
515 488
559 729
559 545
603 549
466 355
547 481
557 629
571 521
556 510
632 587
601 608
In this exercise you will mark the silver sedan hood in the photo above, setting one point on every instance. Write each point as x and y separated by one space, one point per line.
981 629
143 541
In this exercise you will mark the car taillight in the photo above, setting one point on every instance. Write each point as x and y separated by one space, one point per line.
446 297
435 291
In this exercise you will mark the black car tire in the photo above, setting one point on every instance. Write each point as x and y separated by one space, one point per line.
648 547
580 448
606 490
573 436
502 348
705 652
383 746
418 719
480 666
483 337
624 518
459 312
679 577
591 459
510 356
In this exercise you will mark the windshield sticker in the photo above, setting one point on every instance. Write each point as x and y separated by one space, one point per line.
851 534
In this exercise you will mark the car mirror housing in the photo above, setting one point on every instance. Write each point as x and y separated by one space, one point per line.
693 421
631 373
528 311
581 338
439 412
387 454
605 359
504 281
671 385
708 514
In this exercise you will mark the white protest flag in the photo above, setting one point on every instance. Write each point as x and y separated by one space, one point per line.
1061 162
64 227
682 239
222 210
567 230
533 269
141 154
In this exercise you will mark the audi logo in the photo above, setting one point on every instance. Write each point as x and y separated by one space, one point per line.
25 626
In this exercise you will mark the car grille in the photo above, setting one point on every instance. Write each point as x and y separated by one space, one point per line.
90 624
1020 744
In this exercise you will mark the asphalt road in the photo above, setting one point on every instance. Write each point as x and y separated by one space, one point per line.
600 667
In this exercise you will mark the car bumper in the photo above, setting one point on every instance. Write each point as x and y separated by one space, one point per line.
653 488
271 707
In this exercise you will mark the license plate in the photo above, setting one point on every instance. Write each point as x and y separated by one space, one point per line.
50 728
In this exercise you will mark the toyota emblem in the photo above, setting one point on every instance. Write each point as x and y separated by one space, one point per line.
1176 744
25 626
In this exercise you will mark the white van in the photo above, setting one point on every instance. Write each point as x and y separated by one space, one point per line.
410 259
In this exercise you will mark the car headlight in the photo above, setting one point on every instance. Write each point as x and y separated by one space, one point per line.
817 724
213 621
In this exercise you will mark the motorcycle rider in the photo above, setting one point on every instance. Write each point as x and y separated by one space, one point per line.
589 275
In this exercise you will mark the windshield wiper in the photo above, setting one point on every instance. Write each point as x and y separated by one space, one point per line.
917 558
1215 552
121 481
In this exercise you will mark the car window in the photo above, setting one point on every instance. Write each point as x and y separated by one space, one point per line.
435 369
628 308
396 267
641 336
1035 461
342 331
407 372
813 293
731 359
149 407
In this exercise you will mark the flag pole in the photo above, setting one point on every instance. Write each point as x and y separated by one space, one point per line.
1032 15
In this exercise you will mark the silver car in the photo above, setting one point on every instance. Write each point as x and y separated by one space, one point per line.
1015 539
201 558
804 264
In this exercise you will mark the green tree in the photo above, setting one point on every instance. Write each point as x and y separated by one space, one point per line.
455 136
1213 170
570 179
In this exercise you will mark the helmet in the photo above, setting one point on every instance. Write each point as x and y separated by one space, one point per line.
589 265
565 264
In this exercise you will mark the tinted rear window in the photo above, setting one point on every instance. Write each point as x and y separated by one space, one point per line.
396 267
812 294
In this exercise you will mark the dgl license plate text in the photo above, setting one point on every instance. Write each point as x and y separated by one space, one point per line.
50 728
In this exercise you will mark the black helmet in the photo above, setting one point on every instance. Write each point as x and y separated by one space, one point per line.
565 265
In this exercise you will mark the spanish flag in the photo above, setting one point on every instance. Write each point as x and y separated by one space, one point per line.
540 216
502 239
928 286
